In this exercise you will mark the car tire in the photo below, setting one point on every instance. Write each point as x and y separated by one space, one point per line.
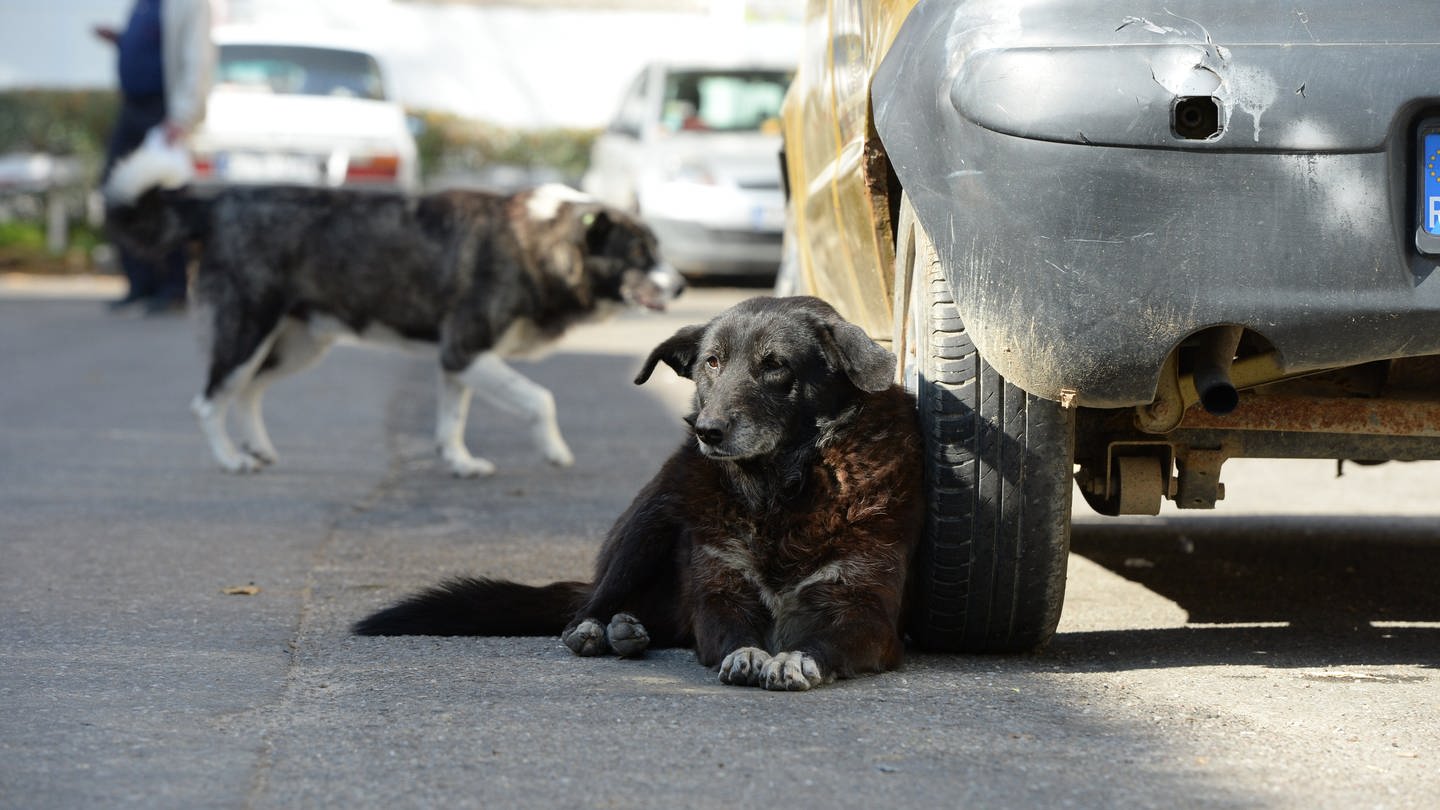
989 573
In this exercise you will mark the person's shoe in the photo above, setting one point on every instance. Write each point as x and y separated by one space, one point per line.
159 305
121 304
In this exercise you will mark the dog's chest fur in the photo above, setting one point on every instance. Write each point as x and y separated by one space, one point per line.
818 536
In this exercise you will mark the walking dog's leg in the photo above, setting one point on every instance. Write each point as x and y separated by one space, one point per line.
506 388
234 360
452 406
295 349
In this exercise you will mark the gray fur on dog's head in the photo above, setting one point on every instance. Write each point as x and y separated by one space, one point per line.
623 252
610 253
769 371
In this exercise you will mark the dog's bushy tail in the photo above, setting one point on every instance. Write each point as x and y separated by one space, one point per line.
473 606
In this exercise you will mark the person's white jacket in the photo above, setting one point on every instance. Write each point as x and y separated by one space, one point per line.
189 54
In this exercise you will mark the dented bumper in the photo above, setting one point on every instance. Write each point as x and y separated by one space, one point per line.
1102 184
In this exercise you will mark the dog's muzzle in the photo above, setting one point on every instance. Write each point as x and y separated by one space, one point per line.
667 281
710 431
652 289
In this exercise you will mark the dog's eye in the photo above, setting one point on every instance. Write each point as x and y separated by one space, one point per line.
771 363
712 361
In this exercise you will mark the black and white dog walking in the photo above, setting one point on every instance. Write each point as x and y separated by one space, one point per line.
287 271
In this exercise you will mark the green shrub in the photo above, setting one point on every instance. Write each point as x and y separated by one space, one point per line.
60 122
449 142
23 249
22 236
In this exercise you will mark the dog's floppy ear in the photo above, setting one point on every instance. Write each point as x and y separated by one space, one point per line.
678 351
870 366
597 230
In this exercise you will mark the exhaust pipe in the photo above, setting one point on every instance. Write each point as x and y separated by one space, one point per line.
1212 370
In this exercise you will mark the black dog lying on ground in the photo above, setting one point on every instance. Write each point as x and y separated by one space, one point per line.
776 544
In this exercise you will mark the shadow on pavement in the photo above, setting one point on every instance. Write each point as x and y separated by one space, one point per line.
1284 591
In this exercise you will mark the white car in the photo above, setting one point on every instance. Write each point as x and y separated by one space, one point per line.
695 150
305 111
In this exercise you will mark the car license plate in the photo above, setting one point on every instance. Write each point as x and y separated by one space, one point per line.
767 218
269 167
1427 231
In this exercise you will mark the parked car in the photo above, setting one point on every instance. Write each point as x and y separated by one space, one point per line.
1120 247
292 108
694 149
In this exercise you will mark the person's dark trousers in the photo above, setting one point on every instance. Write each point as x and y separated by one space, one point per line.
159 284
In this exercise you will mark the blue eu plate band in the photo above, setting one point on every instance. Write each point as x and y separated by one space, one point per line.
1427 226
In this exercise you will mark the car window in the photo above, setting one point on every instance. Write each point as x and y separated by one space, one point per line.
300 70
724 101
631 118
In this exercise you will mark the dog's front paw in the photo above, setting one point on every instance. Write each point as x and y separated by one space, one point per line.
742 667
791 672
586 638
627 636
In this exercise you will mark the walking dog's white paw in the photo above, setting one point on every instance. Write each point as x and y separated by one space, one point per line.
240 463
586 638
552 445
627 636
265 455
211 417
742 667
472 468
464 465
560 455
791 672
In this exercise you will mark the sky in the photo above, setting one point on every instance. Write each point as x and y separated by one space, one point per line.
516 66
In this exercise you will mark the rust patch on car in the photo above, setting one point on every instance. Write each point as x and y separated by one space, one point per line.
1307 414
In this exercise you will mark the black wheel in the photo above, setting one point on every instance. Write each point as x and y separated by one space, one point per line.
989 575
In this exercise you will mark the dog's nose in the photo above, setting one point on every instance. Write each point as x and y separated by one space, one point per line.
710 430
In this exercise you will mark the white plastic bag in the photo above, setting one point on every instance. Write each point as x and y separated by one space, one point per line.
155 163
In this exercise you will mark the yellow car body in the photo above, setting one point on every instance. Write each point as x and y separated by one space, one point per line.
842 207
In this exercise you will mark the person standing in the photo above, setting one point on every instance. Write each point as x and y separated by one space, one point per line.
165 62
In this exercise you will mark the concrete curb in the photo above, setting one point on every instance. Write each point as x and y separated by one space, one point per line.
30 285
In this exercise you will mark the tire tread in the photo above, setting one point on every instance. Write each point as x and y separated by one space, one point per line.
991 568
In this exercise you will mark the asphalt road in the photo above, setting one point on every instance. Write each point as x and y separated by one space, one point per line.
1280 652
